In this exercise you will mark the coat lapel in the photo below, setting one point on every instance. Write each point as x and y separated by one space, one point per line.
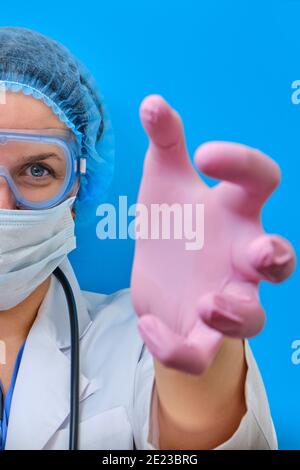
41 398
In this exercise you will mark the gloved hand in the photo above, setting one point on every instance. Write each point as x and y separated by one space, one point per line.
187 300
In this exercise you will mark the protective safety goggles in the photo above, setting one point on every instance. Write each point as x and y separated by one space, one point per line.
41 167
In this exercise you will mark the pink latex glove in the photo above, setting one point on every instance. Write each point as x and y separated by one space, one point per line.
188 300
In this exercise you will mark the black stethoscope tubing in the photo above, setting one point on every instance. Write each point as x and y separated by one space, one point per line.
74 371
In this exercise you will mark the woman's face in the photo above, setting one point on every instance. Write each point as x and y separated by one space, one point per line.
23 112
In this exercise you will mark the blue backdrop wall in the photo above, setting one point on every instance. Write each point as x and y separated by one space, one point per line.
227 66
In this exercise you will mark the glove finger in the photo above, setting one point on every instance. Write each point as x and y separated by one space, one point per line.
233 315
273 257
191 354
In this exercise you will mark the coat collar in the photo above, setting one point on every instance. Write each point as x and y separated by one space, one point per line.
41 398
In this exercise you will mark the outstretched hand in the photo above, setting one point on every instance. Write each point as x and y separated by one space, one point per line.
188 299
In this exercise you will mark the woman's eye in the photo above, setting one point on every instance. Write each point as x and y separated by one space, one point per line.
37 171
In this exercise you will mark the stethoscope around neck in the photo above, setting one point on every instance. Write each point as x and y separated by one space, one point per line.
74 369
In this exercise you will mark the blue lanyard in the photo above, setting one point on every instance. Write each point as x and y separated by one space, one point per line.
5 402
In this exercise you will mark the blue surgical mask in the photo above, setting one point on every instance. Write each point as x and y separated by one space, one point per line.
32 244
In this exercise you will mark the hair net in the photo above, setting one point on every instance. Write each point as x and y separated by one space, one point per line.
40 66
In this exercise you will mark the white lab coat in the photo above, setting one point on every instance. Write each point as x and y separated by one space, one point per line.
117 402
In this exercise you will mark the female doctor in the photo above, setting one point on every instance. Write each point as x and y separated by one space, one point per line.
166 365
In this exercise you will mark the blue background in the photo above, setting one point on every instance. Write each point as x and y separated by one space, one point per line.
227 67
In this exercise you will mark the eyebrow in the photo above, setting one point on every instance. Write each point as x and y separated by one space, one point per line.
39 157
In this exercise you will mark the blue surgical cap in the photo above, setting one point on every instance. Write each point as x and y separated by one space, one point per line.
42 67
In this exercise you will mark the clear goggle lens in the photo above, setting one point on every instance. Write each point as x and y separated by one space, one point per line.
40 170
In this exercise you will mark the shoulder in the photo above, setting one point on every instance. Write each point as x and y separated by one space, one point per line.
113 336
113 312
100 304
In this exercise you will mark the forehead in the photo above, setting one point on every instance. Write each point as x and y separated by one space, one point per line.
18 111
